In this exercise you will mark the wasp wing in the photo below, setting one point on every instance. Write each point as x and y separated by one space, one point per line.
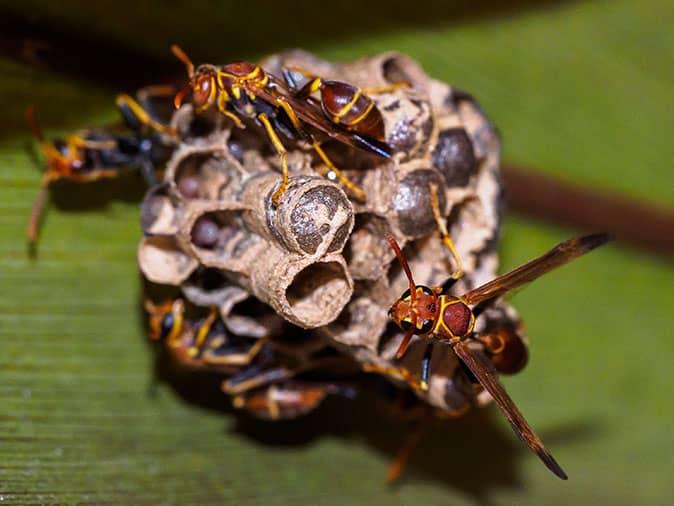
556 257
484 371
309 112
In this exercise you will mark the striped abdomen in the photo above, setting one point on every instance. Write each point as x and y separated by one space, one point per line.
348 106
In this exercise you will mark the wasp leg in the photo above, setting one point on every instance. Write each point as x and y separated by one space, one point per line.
386 88
398 373
222 107
243 381
352 187
36 211
401 459
202 333
282 153
235 359
134 113
446 238
426 367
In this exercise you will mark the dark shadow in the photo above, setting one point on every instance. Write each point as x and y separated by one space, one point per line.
476 455
69 196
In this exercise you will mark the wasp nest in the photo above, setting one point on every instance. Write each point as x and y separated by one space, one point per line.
319 260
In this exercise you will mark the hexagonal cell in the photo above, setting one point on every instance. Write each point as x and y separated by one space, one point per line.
321 288
454 156
203 175
162 261
218 237
367 252
412 202
158 212
315 216
208 286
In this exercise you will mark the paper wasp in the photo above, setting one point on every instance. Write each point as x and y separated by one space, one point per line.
95 154
244 91
258 372
434 314
289 399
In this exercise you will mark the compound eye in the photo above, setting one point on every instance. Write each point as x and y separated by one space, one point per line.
426 326
166 325
203 90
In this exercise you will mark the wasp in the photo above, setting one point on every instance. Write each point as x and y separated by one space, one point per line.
91 155
244 91
289 399
259 372
201 342
434 314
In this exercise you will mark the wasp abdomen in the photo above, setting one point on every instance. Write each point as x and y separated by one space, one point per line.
347 105
507 350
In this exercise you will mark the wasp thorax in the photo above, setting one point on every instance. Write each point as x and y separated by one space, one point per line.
457 317
243 69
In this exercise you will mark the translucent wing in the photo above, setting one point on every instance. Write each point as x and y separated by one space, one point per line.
310 113
556 257
484 371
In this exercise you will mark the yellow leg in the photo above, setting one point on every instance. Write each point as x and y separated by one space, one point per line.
387 88
446 238
142 115
75 141
412 441
278 146
236 359
202 332
222 107
287 108
398 373
352 187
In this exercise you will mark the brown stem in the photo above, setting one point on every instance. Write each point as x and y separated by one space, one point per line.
638 223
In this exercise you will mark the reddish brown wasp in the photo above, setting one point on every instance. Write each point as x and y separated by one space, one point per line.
432 313
243 90
91 155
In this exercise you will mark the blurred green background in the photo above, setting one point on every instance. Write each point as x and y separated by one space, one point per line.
581 90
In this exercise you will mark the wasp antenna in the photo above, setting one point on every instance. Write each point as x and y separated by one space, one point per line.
180 96
403 261
180 54
31 119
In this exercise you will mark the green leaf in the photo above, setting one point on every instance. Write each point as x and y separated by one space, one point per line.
581 89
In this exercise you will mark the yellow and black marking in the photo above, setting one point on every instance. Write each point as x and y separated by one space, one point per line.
202 333
441 329
346 109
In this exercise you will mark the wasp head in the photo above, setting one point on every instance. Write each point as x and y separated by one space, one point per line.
202 82
165 319
416 312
